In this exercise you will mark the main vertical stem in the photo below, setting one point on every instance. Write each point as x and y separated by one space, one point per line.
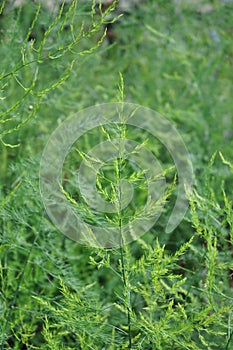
128 297
124 277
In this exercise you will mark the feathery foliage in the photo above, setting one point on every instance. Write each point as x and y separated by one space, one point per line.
162 291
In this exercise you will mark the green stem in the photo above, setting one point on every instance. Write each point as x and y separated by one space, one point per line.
124 276
128 297
229 341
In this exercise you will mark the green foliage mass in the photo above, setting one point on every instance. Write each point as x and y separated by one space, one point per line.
162 291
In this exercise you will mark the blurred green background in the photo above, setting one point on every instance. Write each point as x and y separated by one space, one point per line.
176 57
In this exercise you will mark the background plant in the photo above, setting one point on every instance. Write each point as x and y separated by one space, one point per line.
163 291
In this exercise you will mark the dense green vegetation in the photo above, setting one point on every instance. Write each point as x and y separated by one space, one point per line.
162 291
